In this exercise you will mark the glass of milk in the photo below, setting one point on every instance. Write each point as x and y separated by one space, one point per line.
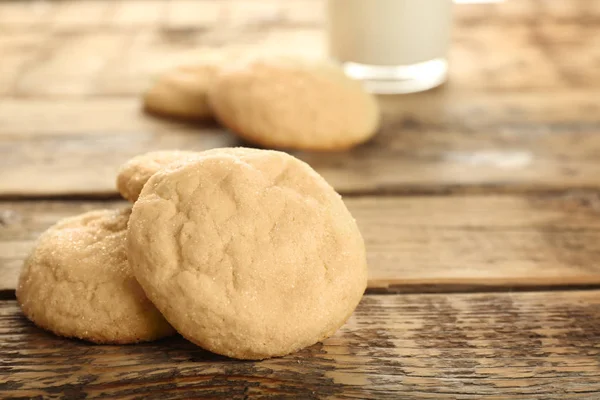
393 46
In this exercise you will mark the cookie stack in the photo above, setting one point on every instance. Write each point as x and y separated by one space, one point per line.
281 103
247 253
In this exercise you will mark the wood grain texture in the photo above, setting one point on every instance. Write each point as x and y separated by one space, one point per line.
414 243
428 143
17 51
496 346
136 13
535 58
80 14
17 15
69 64
137 38
514 136
520 112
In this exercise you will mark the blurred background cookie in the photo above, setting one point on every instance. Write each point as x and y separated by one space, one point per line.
294 103
77 283
181 93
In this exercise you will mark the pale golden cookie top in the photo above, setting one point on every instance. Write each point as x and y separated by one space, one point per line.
248 253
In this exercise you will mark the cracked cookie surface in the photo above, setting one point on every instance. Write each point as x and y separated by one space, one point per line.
134 174
294 103
77 283
248 253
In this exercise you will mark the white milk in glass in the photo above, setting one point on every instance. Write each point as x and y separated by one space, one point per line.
394 46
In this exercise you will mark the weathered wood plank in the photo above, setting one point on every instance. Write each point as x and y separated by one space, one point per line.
105 153
149 53
429 142
195 14
20 15
529 116
69 64
25 15
538 55
572 57
135 13
497 346
481 57
25 117
530 11
414 243
517 60
16 51
493 125
153 51
122 62
73 14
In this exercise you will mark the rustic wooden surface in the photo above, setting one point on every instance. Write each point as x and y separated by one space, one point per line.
473 346
414 243
482 142
520 111
489 186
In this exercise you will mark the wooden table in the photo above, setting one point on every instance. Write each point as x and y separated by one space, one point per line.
479 201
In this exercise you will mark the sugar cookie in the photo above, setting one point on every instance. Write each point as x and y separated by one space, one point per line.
247 253
77 283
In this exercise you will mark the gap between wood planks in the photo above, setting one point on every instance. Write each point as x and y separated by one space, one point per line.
404 191
399 290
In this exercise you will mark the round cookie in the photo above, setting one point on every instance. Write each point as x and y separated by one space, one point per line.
294 103
249 255
182 93
77 283
134 174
